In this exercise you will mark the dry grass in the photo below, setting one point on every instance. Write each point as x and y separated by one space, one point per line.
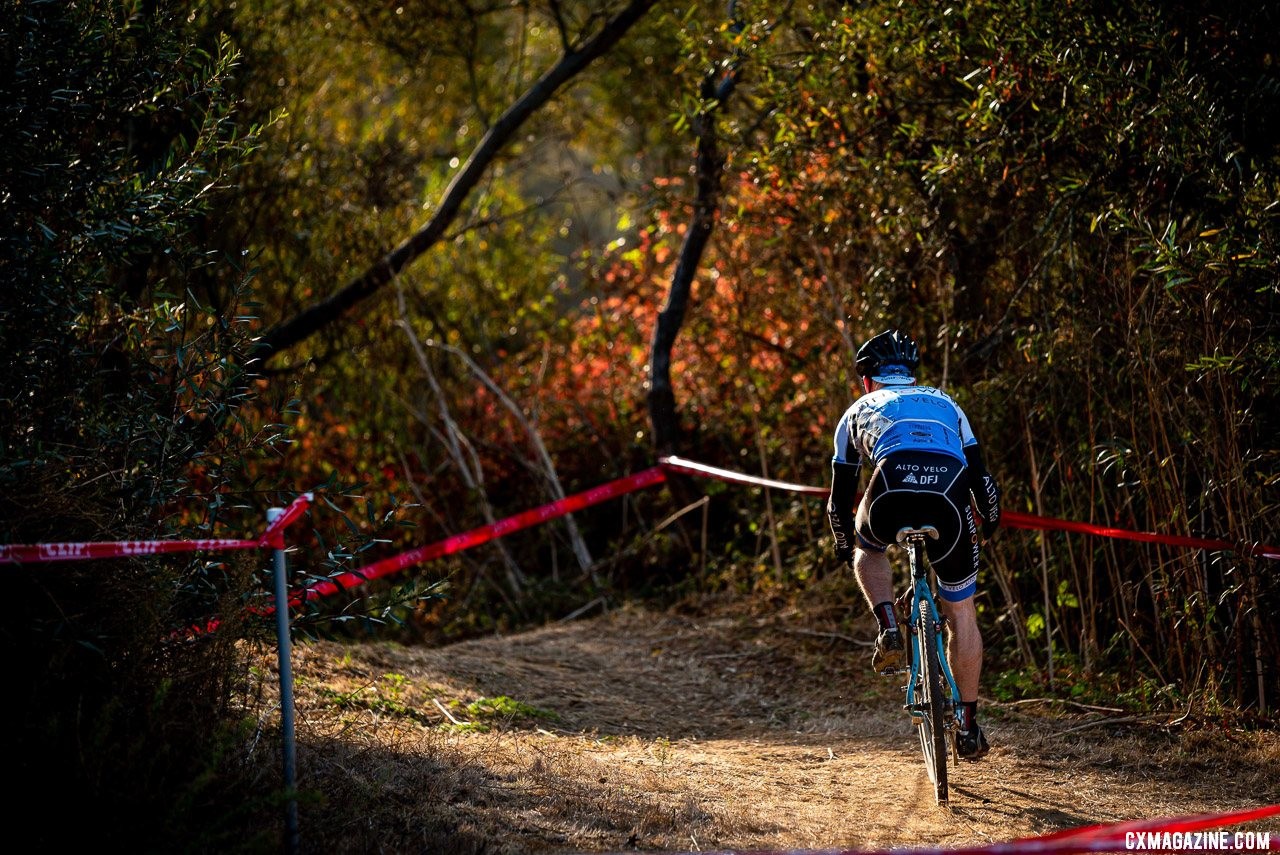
684 733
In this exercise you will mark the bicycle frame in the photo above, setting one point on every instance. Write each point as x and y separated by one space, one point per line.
923 592
922 595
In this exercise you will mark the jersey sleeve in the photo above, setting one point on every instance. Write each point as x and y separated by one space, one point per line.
966 430
845 475
983 486
841 507
845 452
985 490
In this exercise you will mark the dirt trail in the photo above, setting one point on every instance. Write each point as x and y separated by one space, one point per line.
689 733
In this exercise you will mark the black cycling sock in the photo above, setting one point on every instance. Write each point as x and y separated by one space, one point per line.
969 714
885 616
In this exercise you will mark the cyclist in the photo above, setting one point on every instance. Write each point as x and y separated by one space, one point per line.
926 469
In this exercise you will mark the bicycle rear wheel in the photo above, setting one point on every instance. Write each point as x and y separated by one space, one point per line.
933 733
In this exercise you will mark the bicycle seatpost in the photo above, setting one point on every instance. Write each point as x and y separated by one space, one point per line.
908 533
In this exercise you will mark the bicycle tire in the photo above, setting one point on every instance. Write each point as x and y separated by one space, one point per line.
933 734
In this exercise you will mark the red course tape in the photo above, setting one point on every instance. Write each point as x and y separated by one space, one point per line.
1011 519
1171 834
274 535
43 553
657 475
486 533
1014 519
37 553
688 467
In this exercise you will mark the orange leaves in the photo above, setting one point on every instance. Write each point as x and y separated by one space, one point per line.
742 363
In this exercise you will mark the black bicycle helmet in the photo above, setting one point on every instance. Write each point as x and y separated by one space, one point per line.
888 348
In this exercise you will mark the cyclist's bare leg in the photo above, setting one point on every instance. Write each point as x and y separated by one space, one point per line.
964 646
875 576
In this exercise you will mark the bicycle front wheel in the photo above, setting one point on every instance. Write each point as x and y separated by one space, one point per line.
933 733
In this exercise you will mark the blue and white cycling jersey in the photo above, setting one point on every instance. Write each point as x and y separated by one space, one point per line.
902 418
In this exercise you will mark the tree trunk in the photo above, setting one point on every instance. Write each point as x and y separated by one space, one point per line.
664 415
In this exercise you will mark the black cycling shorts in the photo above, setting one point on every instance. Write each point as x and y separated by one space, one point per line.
918 488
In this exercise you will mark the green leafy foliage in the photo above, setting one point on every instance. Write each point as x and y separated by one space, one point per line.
506 709
119 338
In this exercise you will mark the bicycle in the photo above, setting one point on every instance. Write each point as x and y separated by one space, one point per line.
932 697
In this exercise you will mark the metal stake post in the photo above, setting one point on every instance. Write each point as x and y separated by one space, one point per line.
284 651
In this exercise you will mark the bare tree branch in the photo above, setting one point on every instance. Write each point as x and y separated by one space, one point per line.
462 451
580 550
314 318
